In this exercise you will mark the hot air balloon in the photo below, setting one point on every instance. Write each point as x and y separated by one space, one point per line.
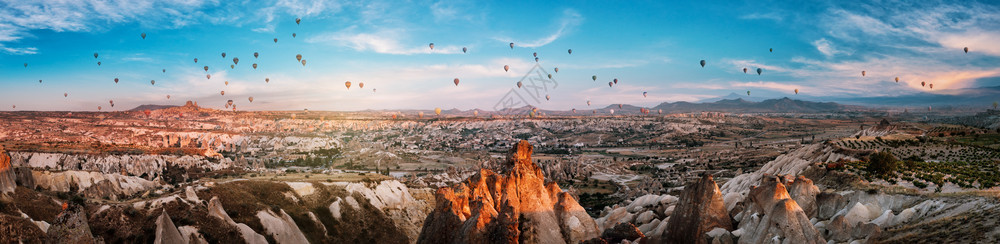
616 81
659 111
759 70
348 85
420 114
557 69
208 76
570 51
536 60
619 105
506 68
223 54
644 94
593 78
511 45
574 110
39 81
456 81
922 83
222 93
298 57
431 45
267 80
297 21
373 90
254 65
164 70
393 116
550 76
195 60
612 111
206 68
111 101
230 102
143 35
275 40
236 60
116 80
744 70
748 93
610 84
361 85
251 99
293 35
152 82
796 91
168 96
437 111
535 54
232 66
98 108
464 50
95 55
255 54
98 63
519 84
770 50
931 86
303 62
25 65
897 79
547 97
966 49
702 63
588 103
862 73
475 112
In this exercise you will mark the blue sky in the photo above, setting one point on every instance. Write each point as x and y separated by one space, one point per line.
820 48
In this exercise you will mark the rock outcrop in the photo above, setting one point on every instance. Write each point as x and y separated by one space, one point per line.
515 206
7 179
71 226
166 231
699 211
770 214
215 209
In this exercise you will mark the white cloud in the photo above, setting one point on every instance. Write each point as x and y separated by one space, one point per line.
567 23
826 47
382 41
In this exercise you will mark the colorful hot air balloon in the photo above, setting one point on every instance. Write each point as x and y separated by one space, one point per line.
251 99
431 45
770 50
222 93
570 51
557 69
232 66
168 97
456 81
98 108
348 85
759 70
796 91
208 76
98 63
95 55
475 112
303 62
116 80
65 94
293 35
195 60
610 84
361 85
550 76
437 111
506 68
748 93
230 102
593 78
143 35
275 40
206 68
863 73
547 97
644 94
254 65
536 60
897 79
930 86
297 21
420 114
464 50
236 60
966 49
223 54
702 63
616 81
619 105
393 116
535 54
164 70
255 54
152 82
267 80
922 83
511 45
744 70
588 103
574 110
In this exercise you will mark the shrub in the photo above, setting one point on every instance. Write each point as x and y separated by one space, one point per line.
882 164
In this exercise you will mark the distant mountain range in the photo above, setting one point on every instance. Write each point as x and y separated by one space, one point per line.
151 107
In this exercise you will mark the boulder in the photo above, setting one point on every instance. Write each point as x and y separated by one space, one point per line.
804 193
699 210
828 204
515 206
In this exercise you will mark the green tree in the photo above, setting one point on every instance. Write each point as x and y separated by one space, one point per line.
882 164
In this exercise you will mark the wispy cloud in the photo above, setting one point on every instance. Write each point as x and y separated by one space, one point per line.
19 51
567 23
382 41
826 47
765 16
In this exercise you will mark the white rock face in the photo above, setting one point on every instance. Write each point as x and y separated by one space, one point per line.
166 232
335 208
792 163
190 232
83 181
644 212
387 194
281 226
302 188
